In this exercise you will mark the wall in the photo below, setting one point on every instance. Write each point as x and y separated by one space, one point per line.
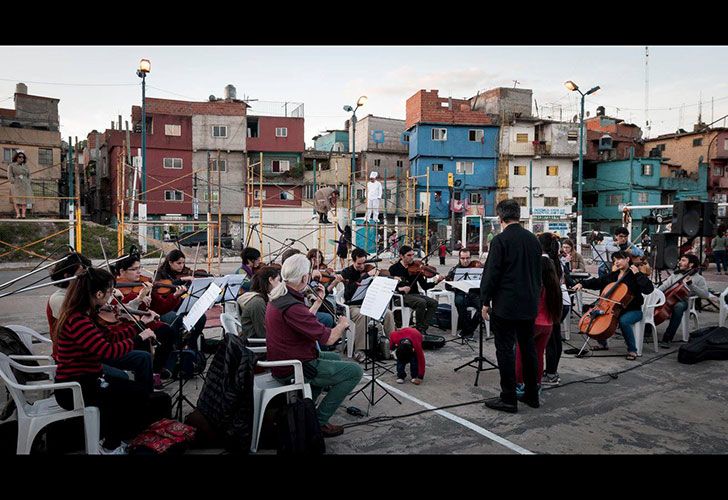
202 133
338 140
457 143
504 100
391 128
231 180
427 107
559 186
267 140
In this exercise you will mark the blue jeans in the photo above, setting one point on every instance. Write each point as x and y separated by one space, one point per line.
139 362
675 320
721 257
401 368
626 325
325 319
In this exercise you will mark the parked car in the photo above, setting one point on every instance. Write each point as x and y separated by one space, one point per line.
192 238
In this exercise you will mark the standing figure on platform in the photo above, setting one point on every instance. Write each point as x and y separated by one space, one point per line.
325 200
374 194
20 188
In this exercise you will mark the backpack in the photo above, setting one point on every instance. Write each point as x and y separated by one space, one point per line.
164 436
299 431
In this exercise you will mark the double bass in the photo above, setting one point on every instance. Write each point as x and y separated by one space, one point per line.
601 321
678 292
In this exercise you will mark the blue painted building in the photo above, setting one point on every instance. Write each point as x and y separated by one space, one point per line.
639 181
334 140
469 152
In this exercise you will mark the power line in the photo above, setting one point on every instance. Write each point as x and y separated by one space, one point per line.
71 84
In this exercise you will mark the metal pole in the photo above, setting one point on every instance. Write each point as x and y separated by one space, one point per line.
452 218
581 173
219 214
260 204
353 163
77 213
71 204
143 201
427 213
530 195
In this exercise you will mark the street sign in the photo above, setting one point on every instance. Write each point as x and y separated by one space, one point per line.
549 212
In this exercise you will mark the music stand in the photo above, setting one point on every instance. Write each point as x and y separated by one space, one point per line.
464 274
199 287
374 308
478 361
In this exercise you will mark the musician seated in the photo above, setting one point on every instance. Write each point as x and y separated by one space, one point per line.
638 284
424 307
466 323
252 304
294 333
572 260
250 263
353 275
698 287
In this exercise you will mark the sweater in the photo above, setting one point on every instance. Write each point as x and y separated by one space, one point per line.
252 315
638 285
416 337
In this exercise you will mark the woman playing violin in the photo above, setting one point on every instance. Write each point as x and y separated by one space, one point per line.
171 272
128 271
638 284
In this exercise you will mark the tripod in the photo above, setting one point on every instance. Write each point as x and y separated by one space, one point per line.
480 358
374 364
179 396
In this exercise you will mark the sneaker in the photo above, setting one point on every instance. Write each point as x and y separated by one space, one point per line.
520 390
665 345
551 379
400 381
360 356
417 381
121 450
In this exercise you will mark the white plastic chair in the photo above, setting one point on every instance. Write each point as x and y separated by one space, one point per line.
231 326
397 304
652 301
691 312
265 388
449 299
723 308
33 417
27 335
351 329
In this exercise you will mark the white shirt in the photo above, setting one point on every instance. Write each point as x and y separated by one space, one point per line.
374 190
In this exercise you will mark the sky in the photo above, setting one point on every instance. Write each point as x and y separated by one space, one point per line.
96 84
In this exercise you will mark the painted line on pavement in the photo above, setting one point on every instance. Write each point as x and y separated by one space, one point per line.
465 423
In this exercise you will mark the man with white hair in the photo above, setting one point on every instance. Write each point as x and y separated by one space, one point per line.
374 194
293 332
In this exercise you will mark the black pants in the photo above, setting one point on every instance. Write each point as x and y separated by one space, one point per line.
554 346
467 323
126 408
442 261
424 308
507 332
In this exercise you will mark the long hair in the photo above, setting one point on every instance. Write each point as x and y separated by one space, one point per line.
260 284
315 252
165 270
71 265
126 263
552 289
79 295
550 245
293 270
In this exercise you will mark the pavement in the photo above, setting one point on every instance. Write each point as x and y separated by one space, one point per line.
604 405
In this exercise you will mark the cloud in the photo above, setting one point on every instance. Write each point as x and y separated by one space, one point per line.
406 80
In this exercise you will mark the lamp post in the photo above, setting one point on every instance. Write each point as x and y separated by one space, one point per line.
574 87
359 103
145 66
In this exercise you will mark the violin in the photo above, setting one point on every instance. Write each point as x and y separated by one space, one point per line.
679 291
475 264
601 320
419 267
109 314
197 273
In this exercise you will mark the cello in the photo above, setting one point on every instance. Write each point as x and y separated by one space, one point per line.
677 292
601 320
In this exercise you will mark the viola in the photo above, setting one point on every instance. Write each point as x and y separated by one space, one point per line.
678 292
601 320
475 264
419 267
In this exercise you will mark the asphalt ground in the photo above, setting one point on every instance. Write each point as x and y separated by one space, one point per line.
604 405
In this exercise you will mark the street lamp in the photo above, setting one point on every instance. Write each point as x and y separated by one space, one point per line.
574 87
145 66
359 103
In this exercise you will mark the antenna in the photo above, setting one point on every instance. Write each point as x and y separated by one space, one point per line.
515 82
700 107
647 91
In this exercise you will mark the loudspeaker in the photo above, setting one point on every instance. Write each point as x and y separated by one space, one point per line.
694 218
667 250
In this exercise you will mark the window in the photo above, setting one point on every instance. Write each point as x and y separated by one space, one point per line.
45 156
521 137
256 195
437 167
572 136
281 132
173 163
438 196
360 194
439 134
521 200
552 170
223 165
725 144
280 165
215 195
697 142
219 131
551 201
287 195
400 163
661 147
519 170
643 197
464 167
174 195
8 154
476 199
308 192
377 163
387 194
613 200
174 130
718 171
44 188
646 169
343 193
476 135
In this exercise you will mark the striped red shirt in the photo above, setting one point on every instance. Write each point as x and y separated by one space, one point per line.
82 345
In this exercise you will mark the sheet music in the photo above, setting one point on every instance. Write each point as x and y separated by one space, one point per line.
378 296
202 305
467 273
361 292
464 285
198 286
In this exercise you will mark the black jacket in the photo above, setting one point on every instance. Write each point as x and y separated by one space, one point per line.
352 277
408 280
226 399
638 284
512 276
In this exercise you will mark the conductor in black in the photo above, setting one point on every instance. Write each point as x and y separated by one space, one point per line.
509 291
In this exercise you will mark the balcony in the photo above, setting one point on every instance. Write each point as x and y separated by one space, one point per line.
542 148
